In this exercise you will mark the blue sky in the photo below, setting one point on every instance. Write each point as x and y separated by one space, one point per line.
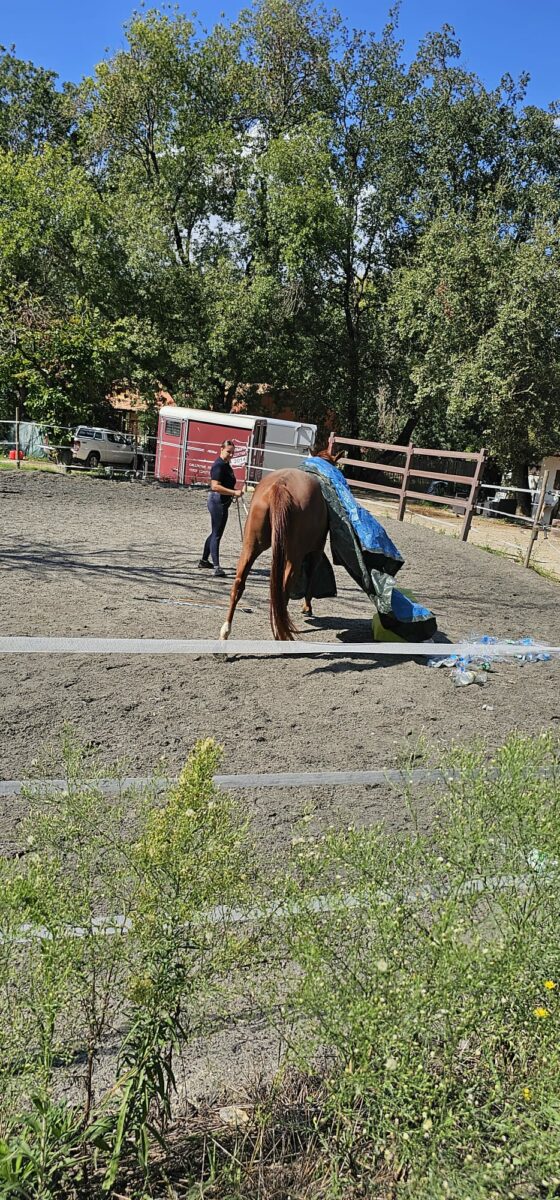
70 36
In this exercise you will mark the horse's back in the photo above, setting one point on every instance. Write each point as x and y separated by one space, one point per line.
302 487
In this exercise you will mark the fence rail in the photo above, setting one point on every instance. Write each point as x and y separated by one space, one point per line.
399 478
409 472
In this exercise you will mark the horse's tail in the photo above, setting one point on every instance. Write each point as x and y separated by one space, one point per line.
283 627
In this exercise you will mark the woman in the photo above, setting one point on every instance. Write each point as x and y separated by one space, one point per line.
223 489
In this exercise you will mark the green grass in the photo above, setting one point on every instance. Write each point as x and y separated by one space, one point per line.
545 572
68 1001
47 467
414 980
501 553
29 464
433 1003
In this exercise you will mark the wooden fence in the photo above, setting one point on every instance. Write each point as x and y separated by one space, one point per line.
407 471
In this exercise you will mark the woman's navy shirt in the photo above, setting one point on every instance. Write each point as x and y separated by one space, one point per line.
222 473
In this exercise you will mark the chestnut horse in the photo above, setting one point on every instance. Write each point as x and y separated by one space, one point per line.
289 514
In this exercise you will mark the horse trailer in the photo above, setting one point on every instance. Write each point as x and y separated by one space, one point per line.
189 440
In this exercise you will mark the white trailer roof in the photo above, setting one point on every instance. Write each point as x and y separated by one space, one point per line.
245 421
174 411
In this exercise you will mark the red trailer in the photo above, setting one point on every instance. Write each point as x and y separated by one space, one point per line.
189 441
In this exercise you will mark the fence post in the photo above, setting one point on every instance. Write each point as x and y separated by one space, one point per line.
17 437
473 495
404 483
537 517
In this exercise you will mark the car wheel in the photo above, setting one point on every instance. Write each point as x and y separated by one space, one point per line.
93 459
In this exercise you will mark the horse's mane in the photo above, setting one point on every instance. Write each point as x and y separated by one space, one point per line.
328 457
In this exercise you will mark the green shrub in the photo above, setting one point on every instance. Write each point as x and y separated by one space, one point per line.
417 980
426 982
72 980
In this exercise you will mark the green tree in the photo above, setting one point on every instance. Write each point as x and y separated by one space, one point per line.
284 201
478 316
63 340
32 110
320 210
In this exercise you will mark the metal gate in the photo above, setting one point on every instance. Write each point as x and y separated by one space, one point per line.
254 466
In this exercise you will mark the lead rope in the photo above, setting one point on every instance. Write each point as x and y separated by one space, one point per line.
237 499
239 517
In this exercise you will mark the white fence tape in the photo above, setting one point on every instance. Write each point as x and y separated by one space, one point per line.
121 924
268 649
543 873
252 779
510 516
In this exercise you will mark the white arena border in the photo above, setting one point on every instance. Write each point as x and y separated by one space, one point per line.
273 779
268 649
120 924
392 776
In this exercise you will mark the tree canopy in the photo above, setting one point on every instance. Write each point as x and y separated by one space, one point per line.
282 200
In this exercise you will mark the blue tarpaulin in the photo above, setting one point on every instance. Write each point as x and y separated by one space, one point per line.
361 545
371 535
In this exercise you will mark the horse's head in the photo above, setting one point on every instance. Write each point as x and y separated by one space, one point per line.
333 459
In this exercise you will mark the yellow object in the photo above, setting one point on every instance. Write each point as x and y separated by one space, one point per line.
380 634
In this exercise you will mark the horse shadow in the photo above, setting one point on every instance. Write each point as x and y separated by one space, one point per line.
359 630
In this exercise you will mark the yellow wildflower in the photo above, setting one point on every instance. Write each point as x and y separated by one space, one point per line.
527 1093
549 985
541 1013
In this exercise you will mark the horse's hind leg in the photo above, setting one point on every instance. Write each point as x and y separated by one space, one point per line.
246 560
313 561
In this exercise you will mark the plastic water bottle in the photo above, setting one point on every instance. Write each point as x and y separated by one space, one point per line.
461 677
444 662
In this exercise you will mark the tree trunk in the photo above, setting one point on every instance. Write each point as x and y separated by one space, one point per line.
352 410
520 479
224 394
402 439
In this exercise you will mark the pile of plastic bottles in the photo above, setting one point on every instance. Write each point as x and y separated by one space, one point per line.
462 665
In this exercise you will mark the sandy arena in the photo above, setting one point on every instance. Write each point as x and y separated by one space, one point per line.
92 556
80 555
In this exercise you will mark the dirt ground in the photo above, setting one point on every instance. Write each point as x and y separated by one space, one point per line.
94 556
507 537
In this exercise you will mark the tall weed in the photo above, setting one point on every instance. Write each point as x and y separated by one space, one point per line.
426 977
113 928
